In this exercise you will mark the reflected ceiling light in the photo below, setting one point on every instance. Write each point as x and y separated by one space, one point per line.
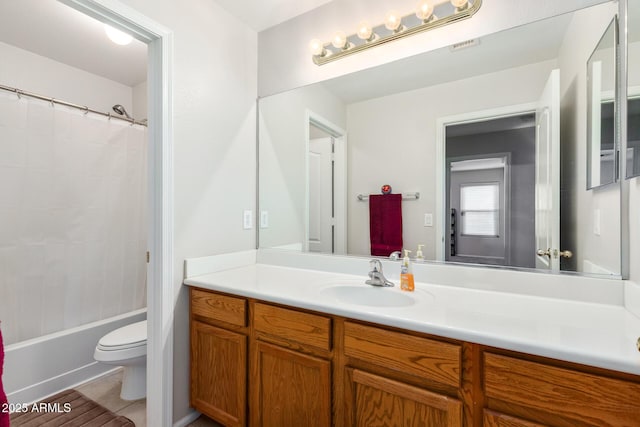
424 11
393 21
429 13
117 36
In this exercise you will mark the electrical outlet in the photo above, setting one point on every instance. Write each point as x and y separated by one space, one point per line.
247 220
264 219
428 220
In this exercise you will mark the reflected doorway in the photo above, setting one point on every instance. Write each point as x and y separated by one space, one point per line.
325 228
490 191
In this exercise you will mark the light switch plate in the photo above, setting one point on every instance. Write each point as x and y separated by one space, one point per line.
264 219
247 220
428 220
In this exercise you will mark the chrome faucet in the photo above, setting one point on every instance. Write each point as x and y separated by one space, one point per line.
395 255
376 276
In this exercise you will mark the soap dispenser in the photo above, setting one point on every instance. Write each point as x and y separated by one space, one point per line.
419 256
406 276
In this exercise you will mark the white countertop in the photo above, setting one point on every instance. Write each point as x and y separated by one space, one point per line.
593 334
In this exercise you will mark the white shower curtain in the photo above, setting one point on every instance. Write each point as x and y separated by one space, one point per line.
73 218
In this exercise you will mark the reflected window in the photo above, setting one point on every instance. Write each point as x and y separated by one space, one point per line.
480 209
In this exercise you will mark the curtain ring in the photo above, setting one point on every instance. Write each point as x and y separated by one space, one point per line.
86 110
18 92
51 102
109 113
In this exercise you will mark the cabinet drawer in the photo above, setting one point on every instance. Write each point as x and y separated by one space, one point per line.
219 307
578 397
423 357
292 325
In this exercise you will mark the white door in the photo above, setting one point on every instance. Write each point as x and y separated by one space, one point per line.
548 175
321 195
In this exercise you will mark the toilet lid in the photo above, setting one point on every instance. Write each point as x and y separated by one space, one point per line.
135 333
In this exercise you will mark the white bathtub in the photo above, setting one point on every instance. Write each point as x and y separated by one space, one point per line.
42 366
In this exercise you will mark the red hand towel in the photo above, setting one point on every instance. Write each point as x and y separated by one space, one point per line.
4 414
385 223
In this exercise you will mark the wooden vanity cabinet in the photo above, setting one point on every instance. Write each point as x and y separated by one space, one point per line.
219 340
290 368
261 364
399 379
555 393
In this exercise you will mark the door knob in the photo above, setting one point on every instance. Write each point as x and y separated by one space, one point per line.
565 254
542 252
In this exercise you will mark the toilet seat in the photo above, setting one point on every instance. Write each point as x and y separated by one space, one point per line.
126 343
129 336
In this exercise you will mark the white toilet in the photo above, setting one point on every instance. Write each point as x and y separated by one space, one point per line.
127 347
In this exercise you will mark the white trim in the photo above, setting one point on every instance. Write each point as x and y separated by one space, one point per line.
160 295
341 182
441 124
187 419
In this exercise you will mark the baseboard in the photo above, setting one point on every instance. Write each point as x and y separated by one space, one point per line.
187 419
36 392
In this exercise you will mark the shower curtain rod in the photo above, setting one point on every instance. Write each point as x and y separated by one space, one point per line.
69 104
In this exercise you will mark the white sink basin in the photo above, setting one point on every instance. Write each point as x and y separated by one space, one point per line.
372 296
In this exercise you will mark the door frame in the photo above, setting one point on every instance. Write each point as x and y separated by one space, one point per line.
441 167
160 269
340 179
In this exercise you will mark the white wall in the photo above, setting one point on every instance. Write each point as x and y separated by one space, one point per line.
578 235
397 134
34 73
282 158
634 184
214 93
284 58
140 100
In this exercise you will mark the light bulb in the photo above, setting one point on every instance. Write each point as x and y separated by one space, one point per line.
393 21
365 32
424 11
117 36
339 40
316 47
459 4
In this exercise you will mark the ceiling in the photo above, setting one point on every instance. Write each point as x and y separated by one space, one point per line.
54 30
527 44
263 14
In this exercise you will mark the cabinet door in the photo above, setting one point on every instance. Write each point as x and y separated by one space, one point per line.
378 401
289 389
495 419
218 373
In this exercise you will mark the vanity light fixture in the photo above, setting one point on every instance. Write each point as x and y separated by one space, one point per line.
428 14
393 21
365 32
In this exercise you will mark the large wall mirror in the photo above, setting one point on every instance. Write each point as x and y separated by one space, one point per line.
601 110
633 89
483 146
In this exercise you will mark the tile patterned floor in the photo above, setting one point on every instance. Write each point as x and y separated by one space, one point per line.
106 391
